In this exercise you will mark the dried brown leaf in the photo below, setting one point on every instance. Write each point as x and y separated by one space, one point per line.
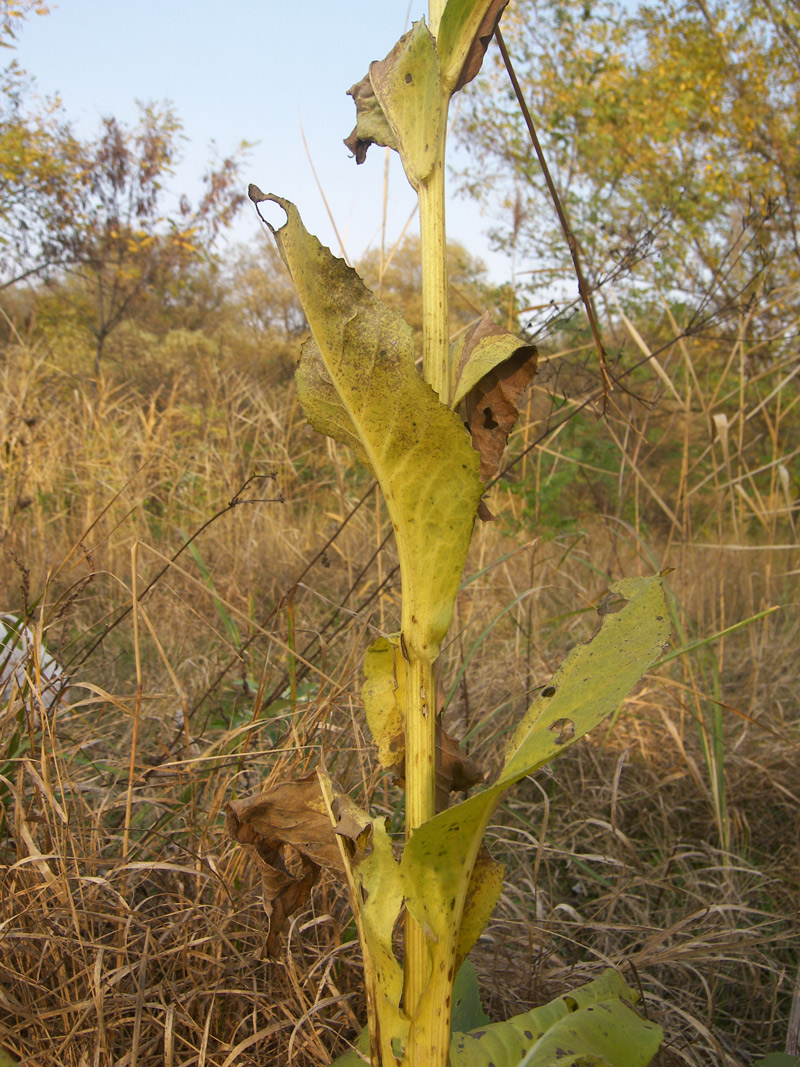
474 60
491 407
289 832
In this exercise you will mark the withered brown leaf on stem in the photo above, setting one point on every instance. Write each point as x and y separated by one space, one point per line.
474 59
491 408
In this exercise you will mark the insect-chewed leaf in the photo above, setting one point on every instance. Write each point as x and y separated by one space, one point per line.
494 372
595 1024
464 34
290 819
415 445
594 679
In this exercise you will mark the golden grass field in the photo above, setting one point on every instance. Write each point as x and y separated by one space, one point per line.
131 929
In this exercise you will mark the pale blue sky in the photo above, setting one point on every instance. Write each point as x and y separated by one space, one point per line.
245 70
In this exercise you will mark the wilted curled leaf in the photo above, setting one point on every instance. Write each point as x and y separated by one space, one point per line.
400 103
371 126
289 832
491 405
480 42
464 35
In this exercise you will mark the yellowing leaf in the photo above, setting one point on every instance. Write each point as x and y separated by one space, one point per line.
384 696
415 446
409 89
592 1025
483 893
401 103
376 895
592 682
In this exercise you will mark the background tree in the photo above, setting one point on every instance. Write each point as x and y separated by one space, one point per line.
119 240
673 135
38 160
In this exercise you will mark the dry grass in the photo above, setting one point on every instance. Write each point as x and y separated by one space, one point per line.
131 929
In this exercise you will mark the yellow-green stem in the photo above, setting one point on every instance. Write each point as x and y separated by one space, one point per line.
433 243
420 807
429 1046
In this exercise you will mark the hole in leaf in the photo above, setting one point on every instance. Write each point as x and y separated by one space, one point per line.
549 691
489 421
565 728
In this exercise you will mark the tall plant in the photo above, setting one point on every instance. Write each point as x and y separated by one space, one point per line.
358 383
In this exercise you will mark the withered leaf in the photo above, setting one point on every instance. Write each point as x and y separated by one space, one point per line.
285 828
353 824
372 126
456 772
492 406
474 60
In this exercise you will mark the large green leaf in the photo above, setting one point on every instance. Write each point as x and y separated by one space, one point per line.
594 1026
358 382
439 861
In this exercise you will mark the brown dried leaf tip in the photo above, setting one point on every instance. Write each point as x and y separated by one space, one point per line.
289 833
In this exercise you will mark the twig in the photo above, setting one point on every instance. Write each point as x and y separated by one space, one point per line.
562 218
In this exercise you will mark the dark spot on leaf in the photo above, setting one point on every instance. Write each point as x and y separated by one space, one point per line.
489 421
549 691
409 79
528 1034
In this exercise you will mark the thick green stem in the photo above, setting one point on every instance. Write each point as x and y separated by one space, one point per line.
433 242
